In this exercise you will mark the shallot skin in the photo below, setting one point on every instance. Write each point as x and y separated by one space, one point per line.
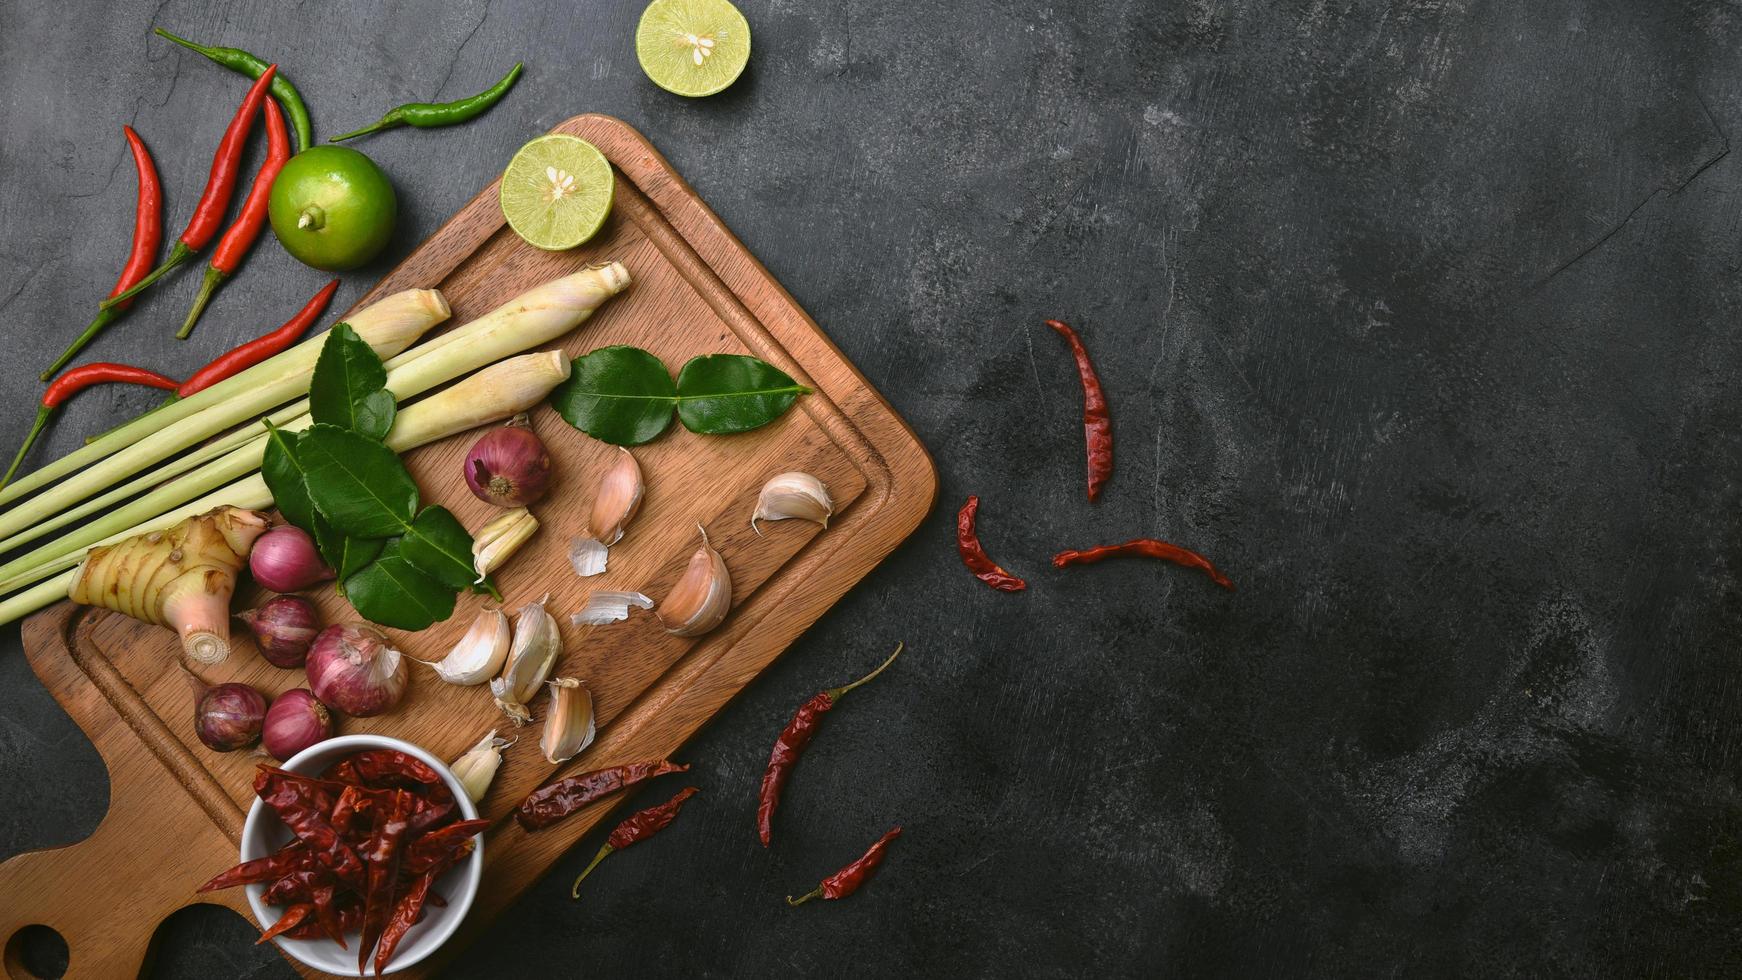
285 559
508 467
228 717
295 721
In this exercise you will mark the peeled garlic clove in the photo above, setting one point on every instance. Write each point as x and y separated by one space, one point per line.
793 494
479 654
614 505
702 597
478 766
498 540
568 725
609 607
536 644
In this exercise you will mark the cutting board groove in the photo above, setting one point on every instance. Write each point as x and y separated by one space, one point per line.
176 807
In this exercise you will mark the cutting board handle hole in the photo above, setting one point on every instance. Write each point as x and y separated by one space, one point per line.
36 952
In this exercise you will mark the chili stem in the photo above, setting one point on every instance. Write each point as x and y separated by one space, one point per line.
42 416
575 892
836 692
816 892
100 323
177 255
208 287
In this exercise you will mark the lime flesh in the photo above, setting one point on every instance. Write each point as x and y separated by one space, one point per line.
557 191
692 47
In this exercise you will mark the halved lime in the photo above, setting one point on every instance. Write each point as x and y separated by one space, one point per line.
692 47
557 191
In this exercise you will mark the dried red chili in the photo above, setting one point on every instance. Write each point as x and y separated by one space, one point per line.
634 829
382 857
441 849
260 348
793 740
406 912
849 879
147 233
548 804
302 811
974 556
1097 424
242 233
273 866
1143 548
220 184
291 918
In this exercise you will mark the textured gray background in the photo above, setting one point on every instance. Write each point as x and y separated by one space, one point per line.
1419 317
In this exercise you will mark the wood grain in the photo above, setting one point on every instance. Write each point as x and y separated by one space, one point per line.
176 807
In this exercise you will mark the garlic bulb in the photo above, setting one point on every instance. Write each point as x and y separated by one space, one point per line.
478 766
568 725
479 654
536 644
609 607
793 494
498 540
615 503
702 597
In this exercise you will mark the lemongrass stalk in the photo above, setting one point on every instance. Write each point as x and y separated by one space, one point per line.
389 326
46 594
497 392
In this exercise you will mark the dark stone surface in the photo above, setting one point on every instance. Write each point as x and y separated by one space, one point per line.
1418 317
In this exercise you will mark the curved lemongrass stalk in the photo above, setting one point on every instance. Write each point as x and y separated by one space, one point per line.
389 326
181 578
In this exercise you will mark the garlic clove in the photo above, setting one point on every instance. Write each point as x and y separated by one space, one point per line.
568 725
702 597
614 505
479 654
794 494
536 645
498 540
609 607
478 766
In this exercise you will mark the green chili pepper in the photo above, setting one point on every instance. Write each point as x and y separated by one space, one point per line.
428 115
242 62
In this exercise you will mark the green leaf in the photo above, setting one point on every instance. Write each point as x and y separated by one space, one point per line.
438 546
721 393
621 395
357 484
347 389
284 477
391 592
345 555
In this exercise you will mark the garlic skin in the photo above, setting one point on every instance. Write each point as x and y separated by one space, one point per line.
479 654
478 766
614 506
568 725
702 597
609 607
536 644
794 494
498 540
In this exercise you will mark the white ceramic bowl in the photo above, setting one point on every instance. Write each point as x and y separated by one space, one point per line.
264 833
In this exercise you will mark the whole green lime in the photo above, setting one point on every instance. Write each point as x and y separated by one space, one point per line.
332 208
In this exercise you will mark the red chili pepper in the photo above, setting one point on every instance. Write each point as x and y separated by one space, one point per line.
405 915
220 185
291 918
634 829
147 234
382 858
974 556
242 233
276 865
1097 424
793 740
226 366
848 880
548 804
75 381
1143 548
439 850
305 814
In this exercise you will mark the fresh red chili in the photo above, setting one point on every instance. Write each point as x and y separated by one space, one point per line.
793 740
147 234
849 879
974 556
548 804
220 185
634 829
242 233
1143 548
1097 424
226 366
73 382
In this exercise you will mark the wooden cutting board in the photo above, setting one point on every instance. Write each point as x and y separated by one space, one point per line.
176 808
